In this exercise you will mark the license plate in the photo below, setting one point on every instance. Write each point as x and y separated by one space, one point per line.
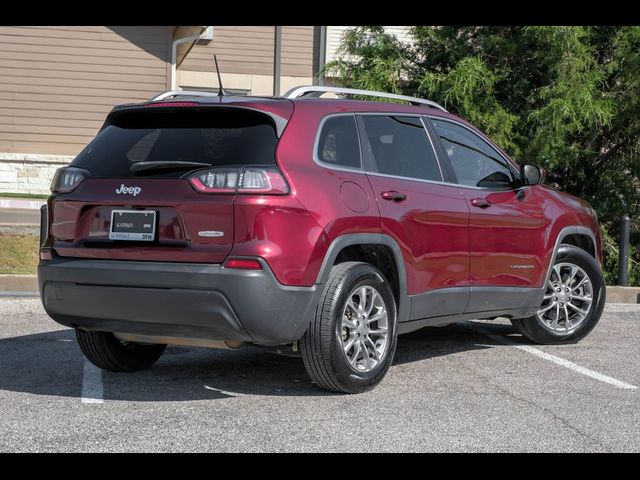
137 225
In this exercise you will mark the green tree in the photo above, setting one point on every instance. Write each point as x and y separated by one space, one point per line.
566 98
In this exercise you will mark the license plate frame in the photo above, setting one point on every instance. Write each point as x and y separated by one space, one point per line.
135 225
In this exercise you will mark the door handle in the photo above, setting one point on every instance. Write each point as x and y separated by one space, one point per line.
480 203
394 196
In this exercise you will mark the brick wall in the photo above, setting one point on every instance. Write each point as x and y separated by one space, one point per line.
28 173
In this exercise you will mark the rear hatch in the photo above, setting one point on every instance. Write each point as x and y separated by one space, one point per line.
136 201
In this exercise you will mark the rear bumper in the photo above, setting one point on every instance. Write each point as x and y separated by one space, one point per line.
175 299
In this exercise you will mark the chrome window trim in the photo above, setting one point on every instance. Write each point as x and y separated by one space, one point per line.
508 161
375 174
440 183
316 144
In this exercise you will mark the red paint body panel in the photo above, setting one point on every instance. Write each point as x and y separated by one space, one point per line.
431 228
284 233
341 202
507 238
80 221
564 210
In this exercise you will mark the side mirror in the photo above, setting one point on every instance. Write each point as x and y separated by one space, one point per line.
531 174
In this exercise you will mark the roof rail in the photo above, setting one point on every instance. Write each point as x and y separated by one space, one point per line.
182 93
317 90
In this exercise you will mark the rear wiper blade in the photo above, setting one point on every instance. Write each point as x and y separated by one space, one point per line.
177 165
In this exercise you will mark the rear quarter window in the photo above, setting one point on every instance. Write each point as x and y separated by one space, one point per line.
338 143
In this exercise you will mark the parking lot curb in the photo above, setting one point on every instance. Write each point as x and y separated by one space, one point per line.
24 284
18 283
617 294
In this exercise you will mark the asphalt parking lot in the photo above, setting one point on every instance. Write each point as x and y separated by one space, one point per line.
475 386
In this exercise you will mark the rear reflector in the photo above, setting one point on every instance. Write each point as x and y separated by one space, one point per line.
267 180
243 263
46 254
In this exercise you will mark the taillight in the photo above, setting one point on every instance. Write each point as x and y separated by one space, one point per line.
66 179
263 180
216 180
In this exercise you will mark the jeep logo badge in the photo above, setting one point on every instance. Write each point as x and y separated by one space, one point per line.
128 190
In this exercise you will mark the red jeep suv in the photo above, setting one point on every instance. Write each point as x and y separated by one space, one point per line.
322 227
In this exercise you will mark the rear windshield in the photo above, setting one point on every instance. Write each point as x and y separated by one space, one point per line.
220 137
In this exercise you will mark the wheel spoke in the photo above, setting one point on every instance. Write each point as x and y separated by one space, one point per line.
580 283
573 307
356 352
351 305
581 298
548 307
378 331
556 269
377 317
372 348
574 270
363 300
566 317
371 304
349 323
365 354
349 344
548 297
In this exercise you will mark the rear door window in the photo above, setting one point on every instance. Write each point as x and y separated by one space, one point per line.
400 147
220 137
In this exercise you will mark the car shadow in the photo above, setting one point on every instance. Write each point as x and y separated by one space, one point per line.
50 363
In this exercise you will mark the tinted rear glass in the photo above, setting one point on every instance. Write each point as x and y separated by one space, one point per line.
338 143
220 137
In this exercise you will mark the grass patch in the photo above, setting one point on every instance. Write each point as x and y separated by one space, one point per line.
19 254
31 196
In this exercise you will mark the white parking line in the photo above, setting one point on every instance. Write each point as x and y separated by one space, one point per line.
91 383
554 359
224 392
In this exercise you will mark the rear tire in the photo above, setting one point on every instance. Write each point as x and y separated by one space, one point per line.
540 328
351 341
105 351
